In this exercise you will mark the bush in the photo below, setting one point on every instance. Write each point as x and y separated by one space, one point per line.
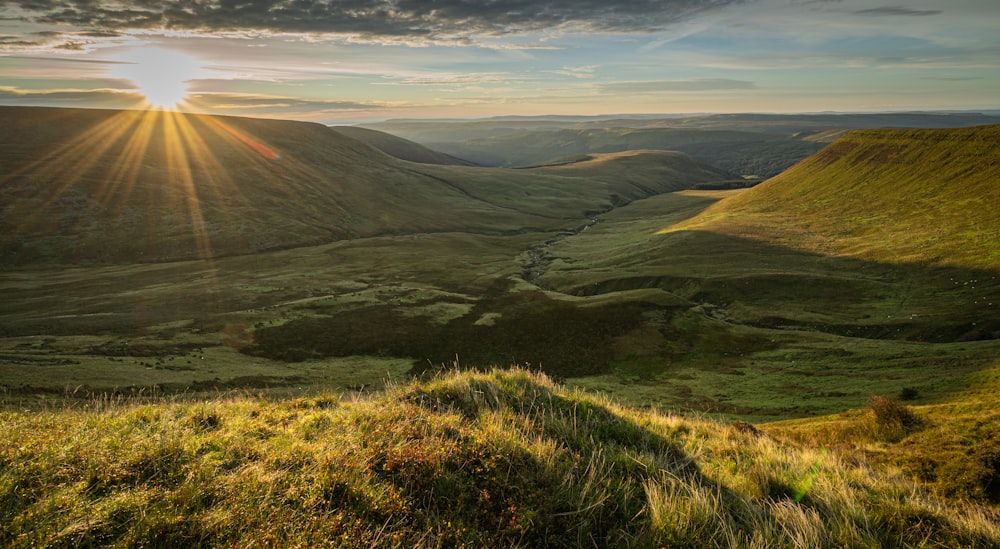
892 419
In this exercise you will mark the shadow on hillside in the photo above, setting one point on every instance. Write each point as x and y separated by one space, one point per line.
522 327
772 286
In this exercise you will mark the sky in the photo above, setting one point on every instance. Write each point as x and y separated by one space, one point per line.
350 61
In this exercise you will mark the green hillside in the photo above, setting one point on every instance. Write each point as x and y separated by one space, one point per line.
88 187
951 447
851 274
894 196
505 458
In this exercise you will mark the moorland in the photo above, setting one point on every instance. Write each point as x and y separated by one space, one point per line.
215 277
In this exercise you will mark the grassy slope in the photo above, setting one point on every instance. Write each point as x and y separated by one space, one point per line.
175 326
493 459
82 186
894 196
953 447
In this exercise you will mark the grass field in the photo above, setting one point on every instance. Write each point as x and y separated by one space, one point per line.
700 337
503 458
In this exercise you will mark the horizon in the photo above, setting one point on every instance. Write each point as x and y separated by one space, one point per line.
361 62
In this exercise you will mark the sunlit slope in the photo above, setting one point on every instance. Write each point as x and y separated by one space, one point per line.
641 168
896 196
951 446
106 186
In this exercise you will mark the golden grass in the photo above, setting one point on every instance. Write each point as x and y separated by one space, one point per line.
501 458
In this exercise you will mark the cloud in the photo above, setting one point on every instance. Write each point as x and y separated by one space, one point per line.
108 98
264 104
693 85
377 19
897 11
577 72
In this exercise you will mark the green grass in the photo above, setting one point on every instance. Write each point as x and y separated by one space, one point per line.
893 196
501 458
764 334
950 447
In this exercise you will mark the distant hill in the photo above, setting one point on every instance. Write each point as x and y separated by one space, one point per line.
744 144
920 196
398 147
740 153
455 130
93 186
641 168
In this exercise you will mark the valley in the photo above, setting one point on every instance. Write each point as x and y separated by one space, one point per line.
646 276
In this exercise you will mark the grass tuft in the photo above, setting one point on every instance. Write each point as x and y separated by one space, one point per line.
464 459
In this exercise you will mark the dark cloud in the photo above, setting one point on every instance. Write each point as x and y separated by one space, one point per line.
897 10
407 19
698 84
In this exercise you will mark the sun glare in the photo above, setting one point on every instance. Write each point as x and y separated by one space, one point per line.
161 75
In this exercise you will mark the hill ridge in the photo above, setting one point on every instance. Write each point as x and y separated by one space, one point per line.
897 195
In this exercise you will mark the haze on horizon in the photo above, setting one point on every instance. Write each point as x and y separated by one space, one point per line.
343 61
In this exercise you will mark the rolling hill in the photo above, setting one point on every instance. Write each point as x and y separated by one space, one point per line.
94 187
741 153
745 144
132 295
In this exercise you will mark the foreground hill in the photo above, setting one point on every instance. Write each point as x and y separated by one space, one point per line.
79 186
505 458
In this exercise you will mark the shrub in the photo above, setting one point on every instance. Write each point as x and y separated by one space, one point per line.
892 419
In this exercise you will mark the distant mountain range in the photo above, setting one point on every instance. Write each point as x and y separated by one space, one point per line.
752 145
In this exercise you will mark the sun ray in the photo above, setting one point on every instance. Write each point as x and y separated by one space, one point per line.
122 180
156 171
182 180
65 173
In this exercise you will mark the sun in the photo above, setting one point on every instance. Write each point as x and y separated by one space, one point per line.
161 75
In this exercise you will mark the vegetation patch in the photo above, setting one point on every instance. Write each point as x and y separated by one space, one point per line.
501 458
526 327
